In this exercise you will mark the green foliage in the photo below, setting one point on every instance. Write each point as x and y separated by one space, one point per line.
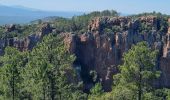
1 31
49 69
107 30
97 89
158 14
163 24
119 92
145 28
158 94
26 30
96 92
136 76
44 73
79 24
138 70
116 28
10 74
21 31
122 93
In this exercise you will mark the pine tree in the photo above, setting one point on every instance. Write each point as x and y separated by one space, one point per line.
96 92
12 64
49 72
138 70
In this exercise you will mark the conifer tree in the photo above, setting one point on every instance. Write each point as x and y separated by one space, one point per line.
138 70
12 65
50 74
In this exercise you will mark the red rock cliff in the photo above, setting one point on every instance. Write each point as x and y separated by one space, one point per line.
102 51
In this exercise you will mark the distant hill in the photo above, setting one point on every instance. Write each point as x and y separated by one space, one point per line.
21 15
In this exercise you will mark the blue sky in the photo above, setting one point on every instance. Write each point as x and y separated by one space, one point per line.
124 6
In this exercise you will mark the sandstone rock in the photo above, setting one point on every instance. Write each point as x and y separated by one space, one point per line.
10 28
168 20
21 44
169 30
165 76
26 43
102 52
98 51
94 25
70 41
44 29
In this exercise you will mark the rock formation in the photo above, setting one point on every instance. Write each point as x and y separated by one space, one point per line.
10 28
26 43
102 51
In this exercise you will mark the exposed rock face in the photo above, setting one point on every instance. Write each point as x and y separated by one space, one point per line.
44 29
102 51
165 77
26 43
10 28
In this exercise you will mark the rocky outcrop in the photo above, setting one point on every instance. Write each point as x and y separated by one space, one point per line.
165 60
10 28
102 51
44 29
26 43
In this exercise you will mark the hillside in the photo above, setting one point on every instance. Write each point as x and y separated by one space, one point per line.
21 15
95 56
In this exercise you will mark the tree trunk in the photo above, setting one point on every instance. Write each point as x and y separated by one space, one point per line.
13 87
140 81
140 88
52 88
44 93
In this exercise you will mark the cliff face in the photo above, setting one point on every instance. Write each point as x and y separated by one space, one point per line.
26 43
101 50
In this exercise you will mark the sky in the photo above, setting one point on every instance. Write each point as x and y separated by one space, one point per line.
123 6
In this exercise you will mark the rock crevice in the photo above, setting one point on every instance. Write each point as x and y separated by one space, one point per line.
102 50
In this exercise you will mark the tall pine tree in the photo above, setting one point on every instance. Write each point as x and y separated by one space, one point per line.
49 72
12 65
138 70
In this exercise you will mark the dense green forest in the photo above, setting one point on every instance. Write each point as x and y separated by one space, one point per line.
41 74
46 72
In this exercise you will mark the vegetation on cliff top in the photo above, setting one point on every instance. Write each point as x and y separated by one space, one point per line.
136 78
42 74
46 72
79 24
